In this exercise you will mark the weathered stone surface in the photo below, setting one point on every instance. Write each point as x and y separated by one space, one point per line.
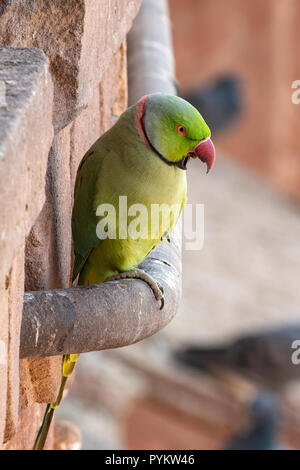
115 18
42 380
4 4
40 251
85 131
67 436
15 305
61 192
115 79
111 95
48 246
30 414
25 115
79 37
23 153
29 422
3 357
48 257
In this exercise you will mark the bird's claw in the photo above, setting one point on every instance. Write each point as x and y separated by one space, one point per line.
161 297
138 273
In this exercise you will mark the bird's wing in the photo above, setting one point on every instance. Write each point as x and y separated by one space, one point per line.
84 219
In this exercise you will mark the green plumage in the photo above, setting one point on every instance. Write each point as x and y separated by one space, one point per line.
120 163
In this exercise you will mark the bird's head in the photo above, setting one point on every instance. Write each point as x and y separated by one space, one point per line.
174 129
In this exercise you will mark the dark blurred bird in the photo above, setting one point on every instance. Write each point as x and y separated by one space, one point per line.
263 356
262 433
220 102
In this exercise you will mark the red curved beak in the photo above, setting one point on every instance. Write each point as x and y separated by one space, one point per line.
205 150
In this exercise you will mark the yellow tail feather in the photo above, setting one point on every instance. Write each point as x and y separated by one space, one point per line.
68 364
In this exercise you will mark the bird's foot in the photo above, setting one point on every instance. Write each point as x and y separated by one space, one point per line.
137 273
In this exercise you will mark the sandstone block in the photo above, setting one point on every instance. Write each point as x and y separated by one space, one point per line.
29 422
79 38
42 378
25 115
48 246
15 306
113 89
85 131
48 259
25 138
107 104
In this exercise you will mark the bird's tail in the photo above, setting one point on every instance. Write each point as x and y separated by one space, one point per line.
68 364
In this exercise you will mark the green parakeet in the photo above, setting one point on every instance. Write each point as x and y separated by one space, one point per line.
143 157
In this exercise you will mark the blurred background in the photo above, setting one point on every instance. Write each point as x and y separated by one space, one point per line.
235 61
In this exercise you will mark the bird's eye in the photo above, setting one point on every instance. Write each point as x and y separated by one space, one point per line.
181 130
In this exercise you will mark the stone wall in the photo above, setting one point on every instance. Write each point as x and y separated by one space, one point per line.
63 70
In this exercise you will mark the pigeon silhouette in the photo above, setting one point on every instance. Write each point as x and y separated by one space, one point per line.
264 356
262 433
